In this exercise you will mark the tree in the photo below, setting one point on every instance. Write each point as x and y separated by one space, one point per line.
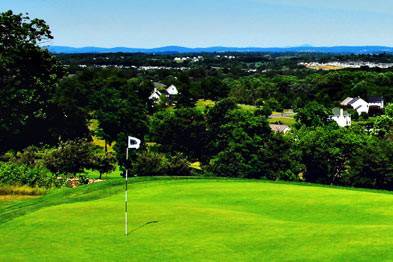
312 115
383 125
180 130
103 162
28 76
121 110
248 149
71 157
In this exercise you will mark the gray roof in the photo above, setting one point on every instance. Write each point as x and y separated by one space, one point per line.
353 100
376 99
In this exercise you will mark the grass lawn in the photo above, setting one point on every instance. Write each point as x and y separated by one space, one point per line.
284 120
200 219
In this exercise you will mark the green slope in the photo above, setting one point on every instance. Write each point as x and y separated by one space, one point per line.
201 219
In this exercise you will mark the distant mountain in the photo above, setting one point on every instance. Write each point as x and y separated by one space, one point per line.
221 49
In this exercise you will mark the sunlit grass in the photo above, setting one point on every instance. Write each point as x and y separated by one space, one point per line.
199 219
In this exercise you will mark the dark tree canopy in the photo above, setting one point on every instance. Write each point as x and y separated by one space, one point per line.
28 77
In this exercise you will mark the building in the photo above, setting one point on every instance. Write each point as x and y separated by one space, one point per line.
169 92
341 117
172 90
376 102
155 95
280 128
358 104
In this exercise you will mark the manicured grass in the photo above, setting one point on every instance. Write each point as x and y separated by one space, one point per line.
200 219
284 120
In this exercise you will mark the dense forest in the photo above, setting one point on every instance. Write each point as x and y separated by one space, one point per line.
61 115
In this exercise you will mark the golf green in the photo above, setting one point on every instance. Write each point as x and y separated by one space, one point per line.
200 220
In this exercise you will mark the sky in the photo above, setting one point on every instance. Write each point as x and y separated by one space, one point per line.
204 23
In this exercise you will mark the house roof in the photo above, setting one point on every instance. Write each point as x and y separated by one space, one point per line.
354 100
279 128
159 85
375 99
172 90
346 101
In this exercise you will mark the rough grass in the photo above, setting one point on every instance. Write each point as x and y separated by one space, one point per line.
201 219
21 190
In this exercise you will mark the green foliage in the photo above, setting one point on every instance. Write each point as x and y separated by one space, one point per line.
150 163
246 148
345 157
28 76
389 110
180 130
20 175
383 125
103 162
71 157
312 115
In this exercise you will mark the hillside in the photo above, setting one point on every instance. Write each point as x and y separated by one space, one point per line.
200 219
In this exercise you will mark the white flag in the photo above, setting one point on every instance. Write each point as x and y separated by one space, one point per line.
134 143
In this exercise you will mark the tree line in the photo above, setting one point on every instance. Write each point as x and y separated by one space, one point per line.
46 111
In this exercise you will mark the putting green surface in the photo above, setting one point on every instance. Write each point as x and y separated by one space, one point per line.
200 220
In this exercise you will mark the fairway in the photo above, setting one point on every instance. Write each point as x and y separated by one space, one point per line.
200 220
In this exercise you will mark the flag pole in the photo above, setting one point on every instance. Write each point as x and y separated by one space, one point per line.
126 197
133 143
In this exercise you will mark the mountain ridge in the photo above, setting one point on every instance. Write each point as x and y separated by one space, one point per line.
222 49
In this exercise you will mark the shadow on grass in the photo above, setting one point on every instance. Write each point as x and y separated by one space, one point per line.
143 225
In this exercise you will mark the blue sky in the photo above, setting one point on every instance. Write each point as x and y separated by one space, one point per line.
202 23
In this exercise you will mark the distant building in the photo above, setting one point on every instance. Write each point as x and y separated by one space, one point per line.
376 102
155 95
172 90
169 92
341 117
280 128
357 103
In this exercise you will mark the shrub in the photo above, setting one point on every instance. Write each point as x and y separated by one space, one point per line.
20 174
83 180
178 165
71 157
150 163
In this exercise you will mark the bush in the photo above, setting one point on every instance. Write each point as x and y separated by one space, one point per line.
20 174
71 157
150 163
178 166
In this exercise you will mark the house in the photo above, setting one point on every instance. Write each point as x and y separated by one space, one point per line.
169 92
172 90
155 95
358 104
341 117
280 128
376 102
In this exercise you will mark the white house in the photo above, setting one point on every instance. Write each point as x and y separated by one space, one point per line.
376 102
172 90
343 119
357 103
168 92
155 95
